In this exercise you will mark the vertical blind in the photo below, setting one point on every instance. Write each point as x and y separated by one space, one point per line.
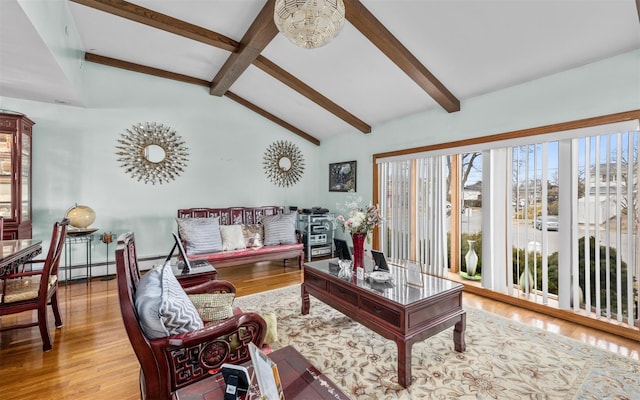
589 183
413 197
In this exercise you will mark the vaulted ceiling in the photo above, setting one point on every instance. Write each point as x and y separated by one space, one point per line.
392 58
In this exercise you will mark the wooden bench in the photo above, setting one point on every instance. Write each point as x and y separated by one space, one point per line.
245 216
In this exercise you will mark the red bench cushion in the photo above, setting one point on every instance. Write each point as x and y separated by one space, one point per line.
212 257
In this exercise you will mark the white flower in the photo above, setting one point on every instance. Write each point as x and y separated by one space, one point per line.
359 221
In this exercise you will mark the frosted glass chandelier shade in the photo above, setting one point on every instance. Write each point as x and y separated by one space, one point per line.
309 23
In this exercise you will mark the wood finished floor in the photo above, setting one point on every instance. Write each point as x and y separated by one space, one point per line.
92 358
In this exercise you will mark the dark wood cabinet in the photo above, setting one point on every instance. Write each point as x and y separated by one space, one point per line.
15 175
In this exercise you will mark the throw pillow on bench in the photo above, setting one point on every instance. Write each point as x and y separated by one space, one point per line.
206 235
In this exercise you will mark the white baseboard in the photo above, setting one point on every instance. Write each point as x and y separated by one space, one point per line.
79 271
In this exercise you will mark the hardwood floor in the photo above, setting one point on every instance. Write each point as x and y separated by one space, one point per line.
92 358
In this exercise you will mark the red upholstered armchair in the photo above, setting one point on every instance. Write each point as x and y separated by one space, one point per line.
172 362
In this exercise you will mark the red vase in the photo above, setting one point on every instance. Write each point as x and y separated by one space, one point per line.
358 249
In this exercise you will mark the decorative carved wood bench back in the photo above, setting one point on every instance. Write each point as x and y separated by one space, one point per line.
232 215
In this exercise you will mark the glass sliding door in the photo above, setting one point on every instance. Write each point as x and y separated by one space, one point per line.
553 219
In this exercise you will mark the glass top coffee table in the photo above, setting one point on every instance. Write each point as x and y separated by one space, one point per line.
403 313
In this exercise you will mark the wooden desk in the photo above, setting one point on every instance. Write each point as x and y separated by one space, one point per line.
397 311
300 381
15 252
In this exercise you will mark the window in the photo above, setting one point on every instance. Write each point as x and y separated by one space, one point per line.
553 217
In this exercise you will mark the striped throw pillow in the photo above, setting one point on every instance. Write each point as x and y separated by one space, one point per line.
201 234
279 229
147 300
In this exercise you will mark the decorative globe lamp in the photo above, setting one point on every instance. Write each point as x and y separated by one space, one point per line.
81 217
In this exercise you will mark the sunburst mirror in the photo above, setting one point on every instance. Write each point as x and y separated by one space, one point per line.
152 153
283 163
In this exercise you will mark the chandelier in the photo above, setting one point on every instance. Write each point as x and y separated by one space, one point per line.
309 23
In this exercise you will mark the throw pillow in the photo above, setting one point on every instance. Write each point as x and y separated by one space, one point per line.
253 235
213 306
201 234
272 327
177 312
232 237
147 302
279 229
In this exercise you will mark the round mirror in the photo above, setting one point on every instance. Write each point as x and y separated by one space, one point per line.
154 153
284 163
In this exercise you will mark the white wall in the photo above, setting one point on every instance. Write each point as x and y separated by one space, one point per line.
75 161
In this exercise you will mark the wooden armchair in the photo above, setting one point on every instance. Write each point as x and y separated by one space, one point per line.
173 362
35 289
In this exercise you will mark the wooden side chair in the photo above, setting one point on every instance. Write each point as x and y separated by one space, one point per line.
172 362
35 289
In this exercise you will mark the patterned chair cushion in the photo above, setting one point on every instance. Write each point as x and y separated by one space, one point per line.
163 306
24 288
213 306
279 229
176 310
201 234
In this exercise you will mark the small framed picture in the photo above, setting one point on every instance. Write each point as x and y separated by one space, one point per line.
267 373
414 274
342 176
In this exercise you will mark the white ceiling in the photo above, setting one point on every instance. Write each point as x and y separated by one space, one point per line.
472 46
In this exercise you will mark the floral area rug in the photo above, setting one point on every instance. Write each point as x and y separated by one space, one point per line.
503 360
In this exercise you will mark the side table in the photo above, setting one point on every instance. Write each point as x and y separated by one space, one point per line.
73 240
300 381
195 276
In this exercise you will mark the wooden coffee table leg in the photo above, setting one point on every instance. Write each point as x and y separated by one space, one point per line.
306 304
404 363
458 334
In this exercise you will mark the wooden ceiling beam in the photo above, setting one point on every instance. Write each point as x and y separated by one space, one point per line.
271 117
163 22
296 84
364 21
143 69
258 36
160 21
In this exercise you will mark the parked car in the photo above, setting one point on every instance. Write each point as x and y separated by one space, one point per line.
552 223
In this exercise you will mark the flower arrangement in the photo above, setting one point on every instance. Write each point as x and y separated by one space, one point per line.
360 219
